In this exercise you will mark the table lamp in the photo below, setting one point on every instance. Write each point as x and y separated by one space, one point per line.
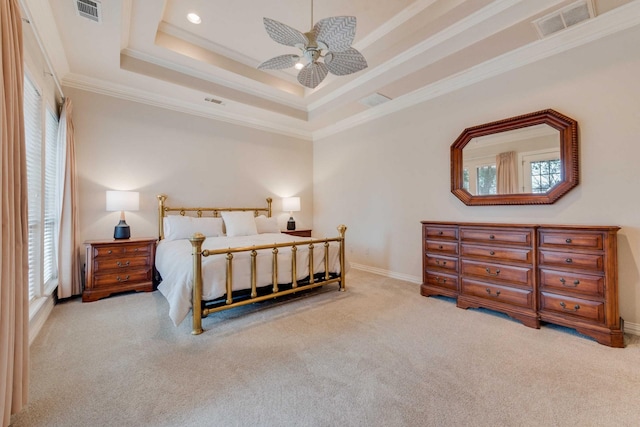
291 204
122 201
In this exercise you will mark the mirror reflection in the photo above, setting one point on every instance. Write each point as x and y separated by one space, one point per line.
525 160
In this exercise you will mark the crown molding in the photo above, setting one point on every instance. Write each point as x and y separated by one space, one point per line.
617 20
128 93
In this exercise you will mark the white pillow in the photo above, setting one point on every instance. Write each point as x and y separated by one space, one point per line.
267 225
209 226
176 227
239 223
182 227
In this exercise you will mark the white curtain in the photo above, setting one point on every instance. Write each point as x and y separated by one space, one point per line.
69 282
14 240
507 173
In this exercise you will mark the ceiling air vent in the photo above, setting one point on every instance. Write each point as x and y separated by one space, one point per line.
566 17
213 101
374 99
89 9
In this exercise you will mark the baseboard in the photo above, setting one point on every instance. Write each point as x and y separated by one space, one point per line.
629 328
40 316
632 328
387 273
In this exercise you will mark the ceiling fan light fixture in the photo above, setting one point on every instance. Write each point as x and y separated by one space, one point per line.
330 39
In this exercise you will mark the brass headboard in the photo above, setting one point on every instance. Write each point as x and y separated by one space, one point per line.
163 210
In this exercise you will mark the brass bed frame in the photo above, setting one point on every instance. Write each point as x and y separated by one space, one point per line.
236 299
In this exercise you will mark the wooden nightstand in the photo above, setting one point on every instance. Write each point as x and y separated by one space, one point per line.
118 266
298 232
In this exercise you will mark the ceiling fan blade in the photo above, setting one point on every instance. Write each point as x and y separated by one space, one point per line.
336 32
284 34
312 74
347 62
279 62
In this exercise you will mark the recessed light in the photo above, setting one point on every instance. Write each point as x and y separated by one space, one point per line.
194 18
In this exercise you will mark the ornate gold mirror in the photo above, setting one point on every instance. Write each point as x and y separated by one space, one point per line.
525 160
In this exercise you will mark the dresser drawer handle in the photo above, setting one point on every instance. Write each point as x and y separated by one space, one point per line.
490 273
443 262
564 283
491 236
120 264
492 253
109 251
568 240
120 279
489 292
440 233
441 280
136 249
440 247
568 260
564 306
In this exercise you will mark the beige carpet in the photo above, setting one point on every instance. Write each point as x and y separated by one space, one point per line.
378 355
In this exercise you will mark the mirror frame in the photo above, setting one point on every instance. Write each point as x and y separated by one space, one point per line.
568 155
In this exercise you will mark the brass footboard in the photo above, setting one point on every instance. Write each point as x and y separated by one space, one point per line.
312 282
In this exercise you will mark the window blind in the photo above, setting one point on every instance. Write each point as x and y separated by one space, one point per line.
33 136
51 185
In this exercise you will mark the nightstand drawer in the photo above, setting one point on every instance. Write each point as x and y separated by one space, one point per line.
121 249
104 264
128 277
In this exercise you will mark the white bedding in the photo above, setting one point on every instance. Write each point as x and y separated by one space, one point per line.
175 265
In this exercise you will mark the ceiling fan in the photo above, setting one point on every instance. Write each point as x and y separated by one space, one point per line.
330 39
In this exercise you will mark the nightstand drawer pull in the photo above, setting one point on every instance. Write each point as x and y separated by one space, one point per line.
489 292
564 306
490 273
564 283
120 279
120 264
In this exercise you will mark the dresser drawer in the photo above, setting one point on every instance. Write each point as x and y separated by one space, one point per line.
120 249
490 271
130 276
440 246
571 239
505 294
501 253
444 263
440 232
103 264
575 307
442 280
577 283
572 259
487 235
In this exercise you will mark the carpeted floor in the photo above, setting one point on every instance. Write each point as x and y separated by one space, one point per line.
377 355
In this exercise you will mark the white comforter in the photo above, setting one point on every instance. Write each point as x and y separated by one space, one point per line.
175 265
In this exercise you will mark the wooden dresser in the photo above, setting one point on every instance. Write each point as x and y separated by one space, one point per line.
565 275
118 266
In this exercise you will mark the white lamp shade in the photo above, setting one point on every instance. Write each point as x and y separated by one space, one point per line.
123 200
291 204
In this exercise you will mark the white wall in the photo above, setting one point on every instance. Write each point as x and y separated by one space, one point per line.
394 172
124 145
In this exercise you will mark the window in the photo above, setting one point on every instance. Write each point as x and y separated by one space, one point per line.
43 189
479 175
541 171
